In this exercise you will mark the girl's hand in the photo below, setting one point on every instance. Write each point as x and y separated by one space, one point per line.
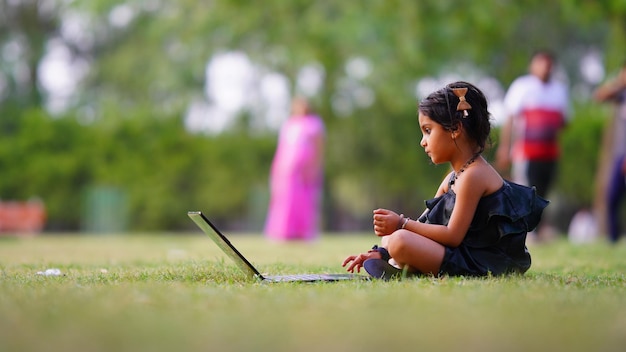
385 222
356 261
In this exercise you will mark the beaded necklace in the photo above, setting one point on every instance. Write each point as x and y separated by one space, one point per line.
467 163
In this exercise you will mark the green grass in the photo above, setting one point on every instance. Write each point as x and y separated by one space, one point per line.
179 293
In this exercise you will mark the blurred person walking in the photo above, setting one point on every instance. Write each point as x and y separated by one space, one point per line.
537 110
296 176
614 91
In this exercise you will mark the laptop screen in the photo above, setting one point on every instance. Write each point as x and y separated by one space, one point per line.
222 242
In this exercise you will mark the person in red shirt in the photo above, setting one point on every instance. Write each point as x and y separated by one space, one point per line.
537 110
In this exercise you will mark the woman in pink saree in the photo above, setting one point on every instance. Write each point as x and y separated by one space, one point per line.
296 177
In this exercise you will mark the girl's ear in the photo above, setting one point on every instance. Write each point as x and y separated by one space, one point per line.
457 130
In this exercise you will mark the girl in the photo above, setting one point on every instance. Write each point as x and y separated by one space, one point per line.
477 223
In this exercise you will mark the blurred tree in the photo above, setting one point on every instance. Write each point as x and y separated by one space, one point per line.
145 63
25 27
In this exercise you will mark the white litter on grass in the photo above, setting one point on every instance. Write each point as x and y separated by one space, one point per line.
583 228
50 272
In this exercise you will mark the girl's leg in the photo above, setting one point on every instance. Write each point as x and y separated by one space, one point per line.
418 252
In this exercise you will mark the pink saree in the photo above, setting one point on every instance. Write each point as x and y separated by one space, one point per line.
296 180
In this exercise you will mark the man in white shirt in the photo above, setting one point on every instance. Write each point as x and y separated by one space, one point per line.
537 110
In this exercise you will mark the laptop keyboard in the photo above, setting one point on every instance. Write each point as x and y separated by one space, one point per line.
312 277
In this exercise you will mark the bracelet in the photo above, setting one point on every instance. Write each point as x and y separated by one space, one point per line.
406 220
384 254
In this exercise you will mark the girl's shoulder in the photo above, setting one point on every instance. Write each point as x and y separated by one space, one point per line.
483 178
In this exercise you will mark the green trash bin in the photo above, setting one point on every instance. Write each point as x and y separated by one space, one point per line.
257 208
105 210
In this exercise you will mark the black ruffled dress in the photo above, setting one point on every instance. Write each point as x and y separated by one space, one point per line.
495 243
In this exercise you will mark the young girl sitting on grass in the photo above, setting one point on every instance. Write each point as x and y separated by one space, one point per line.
477 223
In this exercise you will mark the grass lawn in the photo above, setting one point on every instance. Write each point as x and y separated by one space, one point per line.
179 293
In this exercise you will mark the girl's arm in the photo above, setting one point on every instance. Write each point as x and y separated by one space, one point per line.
443 187
387 221
468 191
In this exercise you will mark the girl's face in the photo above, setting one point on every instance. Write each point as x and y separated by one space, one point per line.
436 140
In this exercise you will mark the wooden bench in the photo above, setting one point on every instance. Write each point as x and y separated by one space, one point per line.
22 217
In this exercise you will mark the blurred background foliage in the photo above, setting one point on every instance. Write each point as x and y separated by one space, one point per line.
114 116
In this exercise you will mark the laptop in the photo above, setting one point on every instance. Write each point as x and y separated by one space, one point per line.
224 244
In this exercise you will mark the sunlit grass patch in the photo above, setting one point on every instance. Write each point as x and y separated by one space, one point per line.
162 293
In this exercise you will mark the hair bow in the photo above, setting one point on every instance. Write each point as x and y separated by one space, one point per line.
463 104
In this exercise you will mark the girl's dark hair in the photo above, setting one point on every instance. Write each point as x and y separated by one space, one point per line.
441 107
